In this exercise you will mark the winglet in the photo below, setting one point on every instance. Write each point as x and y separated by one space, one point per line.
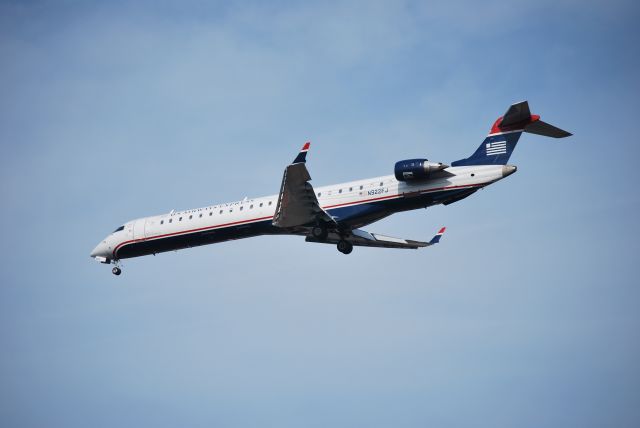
436 238
302 156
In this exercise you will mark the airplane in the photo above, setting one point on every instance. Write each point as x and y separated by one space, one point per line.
332 214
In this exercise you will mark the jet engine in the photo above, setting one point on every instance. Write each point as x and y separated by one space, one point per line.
416 169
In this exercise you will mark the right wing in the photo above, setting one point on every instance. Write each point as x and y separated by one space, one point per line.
365 239
297 203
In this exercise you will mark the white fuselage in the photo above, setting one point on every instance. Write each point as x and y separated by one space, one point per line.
355 201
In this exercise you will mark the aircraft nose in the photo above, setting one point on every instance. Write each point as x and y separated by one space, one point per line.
100 250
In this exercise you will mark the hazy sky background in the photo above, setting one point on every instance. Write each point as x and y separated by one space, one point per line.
525 315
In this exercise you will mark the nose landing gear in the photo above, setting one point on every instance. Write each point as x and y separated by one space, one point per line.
116 269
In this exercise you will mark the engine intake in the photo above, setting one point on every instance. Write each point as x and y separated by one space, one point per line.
416 169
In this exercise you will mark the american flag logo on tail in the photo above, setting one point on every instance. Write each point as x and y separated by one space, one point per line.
497 148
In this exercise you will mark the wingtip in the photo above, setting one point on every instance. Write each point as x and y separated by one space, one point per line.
302 156
437 236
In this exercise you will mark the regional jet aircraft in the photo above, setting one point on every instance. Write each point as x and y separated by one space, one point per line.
332 214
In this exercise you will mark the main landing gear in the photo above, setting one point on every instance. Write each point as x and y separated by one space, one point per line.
319 232
345 247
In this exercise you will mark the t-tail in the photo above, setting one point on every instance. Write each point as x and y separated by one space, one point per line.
496 149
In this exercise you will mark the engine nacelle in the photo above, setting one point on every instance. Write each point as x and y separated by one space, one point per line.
416 169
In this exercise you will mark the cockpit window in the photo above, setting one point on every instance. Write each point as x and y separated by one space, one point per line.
119 229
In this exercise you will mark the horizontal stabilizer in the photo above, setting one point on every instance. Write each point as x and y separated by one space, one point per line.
543 128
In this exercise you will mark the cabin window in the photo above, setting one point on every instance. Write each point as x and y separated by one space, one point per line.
180 219
161 221
351 189
241 208
381 183
473 175
221 211
360 187
231 210
190 217
250 207
319 194
210 213
260 204
200 215
340 191
269 202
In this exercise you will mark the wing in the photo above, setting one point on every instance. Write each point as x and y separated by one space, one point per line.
297 204
365 239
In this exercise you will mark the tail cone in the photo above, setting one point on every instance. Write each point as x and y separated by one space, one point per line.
507 170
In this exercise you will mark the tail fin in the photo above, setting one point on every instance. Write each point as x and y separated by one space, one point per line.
496 149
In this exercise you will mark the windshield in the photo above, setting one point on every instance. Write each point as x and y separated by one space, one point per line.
119 229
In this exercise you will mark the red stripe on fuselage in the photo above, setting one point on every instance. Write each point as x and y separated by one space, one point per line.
219 226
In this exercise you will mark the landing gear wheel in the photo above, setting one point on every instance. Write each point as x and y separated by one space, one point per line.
320 233
345 247
116 271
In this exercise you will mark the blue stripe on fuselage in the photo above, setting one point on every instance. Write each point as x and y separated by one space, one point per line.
366 213
351 216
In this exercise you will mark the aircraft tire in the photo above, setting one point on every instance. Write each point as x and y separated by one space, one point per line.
345 247
320 233
116 271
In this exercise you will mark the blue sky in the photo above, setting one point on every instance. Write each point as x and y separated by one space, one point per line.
525 315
